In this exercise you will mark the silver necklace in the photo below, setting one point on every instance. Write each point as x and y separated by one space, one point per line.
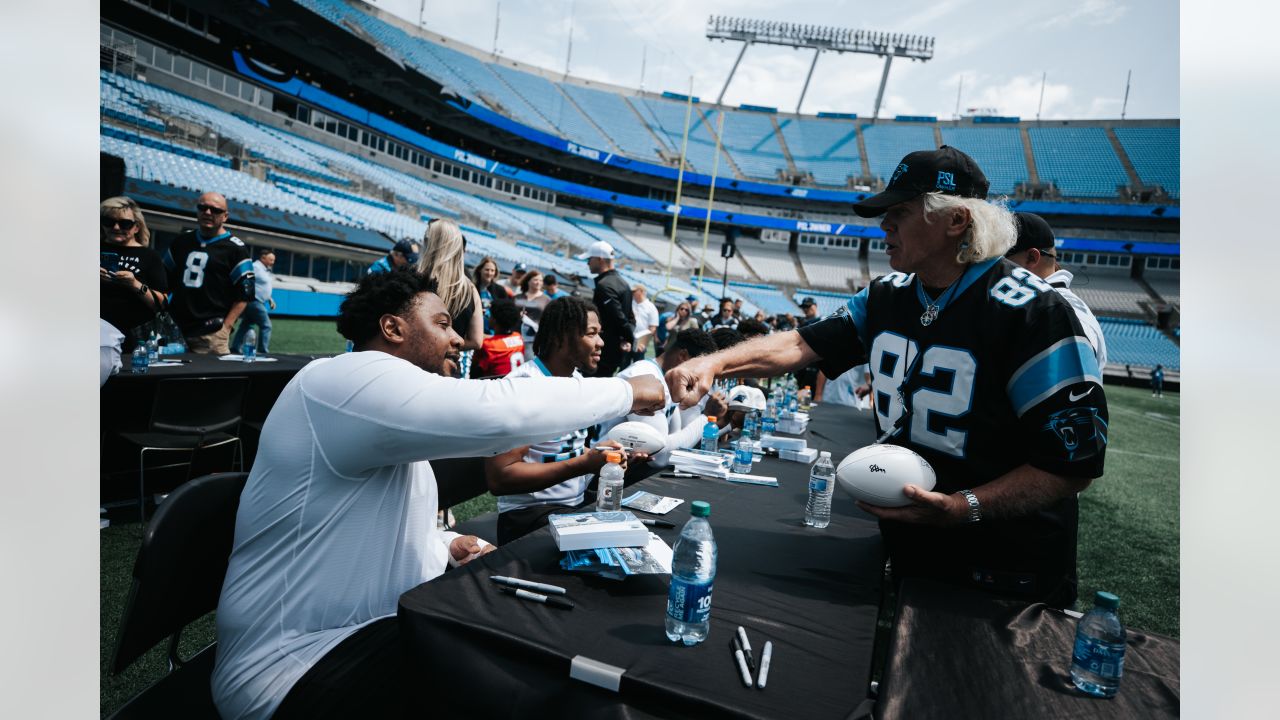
933 307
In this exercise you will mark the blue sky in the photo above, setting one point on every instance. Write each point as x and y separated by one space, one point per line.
999 47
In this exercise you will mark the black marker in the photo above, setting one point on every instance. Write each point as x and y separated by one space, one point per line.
528 585
551 600
657 523
746 647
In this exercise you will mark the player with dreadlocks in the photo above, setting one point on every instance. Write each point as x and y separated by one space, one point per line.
536 480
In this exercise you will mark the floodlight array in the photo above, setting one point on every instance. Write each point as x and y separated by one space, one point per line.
823 37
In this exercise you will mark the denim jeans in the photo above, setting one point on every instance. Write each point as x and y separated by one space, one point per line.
255 313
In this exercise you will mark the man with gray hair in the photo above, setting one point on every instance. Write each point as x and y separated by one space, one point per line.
978 366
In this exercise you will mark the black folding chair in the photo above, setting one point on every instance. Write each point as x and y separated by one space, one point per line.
177 579
190 414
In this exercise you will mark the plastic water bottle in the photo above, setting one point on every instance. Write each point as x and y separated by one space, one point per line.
817 512
742 454
153 348
757 423
609 492
769 425
806 399
141 360
1097 661
693 573
749 425
249 352
711 435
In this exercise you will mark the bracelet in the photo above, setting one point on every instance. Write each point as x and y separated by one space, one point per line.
975 508
144 290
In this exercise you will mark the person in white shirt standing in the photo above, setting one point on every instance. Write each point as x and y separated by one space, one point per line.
337 518
256 312
646 321
1036 250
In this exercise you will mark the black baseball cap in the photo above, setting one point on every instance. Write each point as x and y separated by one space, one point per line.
807 302
1033 232
945 170
408 248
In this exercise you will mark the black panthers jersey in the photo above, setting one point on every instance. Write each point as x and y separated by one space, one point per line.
1002 376
207 277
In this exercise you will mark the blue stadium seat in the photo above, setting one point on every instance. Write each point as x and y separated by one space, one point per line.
887 144
1155 154
1079 160
1133 342
998 152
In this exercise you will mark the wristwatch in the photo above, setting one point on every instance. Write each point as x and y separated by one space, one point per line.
975 508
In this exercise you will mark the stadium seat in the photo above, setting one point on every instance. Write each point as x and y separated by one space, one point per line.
189 414
177 579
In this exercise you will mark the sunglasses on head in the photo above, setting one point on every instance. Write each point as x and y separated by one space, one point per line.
209 209
109 223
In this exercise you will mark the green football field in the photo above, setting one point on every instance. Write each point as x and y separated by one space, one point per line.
1128 523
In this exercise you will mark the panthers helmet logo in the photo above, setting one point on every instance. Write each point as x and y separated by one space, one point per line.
1079 429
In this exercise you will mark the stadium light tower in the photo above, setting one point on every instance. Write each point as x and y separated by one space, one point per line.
820 38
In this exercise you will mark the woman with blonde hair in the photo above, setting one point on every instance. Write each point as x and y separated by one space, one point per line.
442 259
132 278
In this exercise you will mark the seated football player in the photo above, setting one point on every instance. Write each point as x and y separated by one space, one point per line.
680 433
978 366
504 349
533 481
337 518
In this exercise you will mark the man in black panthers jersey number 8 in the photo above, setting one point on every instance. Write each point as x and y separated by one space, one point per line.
211 276
977 365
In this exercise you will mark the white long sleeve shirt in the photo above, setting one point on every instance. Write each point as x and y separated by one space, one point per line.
1061 282
672 423
338 516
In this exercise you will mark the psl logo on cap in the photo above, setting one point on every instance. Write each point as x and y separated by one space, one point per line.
946 181
902 168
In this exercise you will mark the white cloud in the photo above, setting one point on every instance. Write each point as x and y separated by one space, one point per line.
1019 96
1092 12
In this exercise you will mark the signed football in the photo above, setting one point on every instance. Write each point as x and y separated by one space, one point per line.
638 436
876 474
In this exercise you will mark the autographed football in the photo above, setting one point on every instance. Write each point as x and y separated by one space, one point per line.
876 474
637 436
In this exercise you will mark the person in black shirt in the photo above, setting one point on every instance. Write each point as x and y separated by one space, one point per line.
132 278
211 276
612 298
979 366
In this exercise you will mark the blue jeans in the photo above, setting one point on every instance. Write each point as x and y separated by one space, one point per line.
255 313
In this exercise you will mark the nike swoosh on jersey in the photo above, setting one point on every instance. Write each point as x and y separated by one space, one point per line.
1074 397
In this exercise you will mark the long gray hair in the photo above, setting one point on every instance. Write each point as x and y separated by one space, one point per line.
992 228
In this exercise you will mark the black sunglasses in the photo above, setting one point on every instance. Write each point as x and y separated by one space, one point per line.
209 209
109 223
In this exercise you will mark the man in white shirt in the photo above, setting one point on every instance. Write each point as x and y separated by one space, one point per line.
681 431
257 311
1036 251
646 321
337 518
533 481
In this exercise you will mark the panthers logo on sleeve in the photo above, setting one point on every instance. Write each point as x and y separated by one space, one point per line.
1080 430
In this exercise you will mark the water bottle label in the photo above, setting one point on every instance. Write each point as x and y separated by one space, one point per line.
817 484
689 602
1098 657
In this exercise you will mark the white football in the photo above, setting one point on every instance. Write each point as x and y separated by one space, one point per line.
876 474
637 436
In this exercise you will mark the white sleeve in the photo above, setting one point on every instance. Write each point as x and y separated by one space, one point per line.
388 412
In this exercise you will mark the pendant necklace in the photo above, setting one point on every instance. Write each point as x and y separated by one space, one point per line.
933 307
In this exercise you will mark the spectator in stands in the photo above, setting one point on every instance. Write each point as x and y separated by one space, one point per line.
958 327
683 319
786 322
485 277
533 481
1157 381
725 318
551 286
257 311
1036 251
446 248
683 430
737 308
531 300
663 332
403 253
693 304
211 276
612 299
335 520
518 271
646 315
504 349
132 281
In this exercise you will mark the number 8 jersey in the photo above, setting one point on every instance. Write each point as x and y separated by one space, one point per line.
1002 376
207 277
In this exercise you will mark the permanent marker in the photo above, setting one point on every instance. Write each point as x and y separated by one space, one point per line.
529 584
551 600
764 664
742 662
657 523
746 647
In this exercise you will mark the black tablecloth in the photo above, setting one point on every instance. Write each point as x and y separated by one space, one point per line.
814 593
958 653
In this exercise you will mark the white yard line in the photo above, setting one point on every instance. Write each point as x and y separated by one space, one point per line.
1145 416
1170 458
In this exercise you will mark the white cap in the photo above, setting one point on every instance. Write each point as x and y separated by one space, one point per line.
824 453
598 249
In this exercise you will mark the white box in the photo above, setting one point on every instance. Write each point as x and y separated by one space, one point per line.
586 531
806 456
783 443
